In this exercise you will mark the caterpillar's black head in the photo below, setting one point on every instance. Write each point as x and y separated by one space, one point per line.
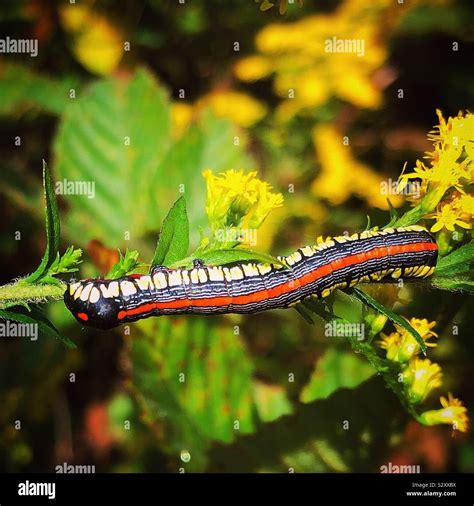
90 307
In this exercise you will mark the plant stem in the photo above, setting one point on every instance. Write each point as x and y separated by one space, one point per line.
20 292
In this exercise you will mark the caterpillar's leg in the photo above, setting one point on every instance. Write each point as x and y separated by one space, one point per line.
198 263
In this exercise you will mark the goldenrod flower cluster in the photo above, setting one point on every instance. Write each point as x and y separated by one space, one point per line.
238 200
421 376
453 412
308 66
306 75
448 174
240 108
342 175
401 346
96 42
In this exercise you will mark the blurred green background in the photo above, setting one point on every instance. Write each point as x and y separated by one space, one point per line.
141 98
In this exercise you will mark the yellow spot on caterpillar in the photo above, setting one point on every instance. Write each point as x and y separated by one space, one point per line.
227 274
194 276
417 228
159 279
422 270
250 270
110 291
202 275
95 295
216 274
307 251
396 273
185 276
264 268
145 283
236 273
127 288
78 292
73 288
414 271
86 292
297 256
174 278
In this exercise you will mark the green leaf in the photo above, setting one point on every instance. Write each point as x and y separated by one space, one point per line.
367 227
411 217
394 317
454 283
306 313
118 135
457 262
66 263
311 307
15 316
35 316
393 215
230 256
295 440
271 401
127 263
48 328
53 230
335 369
193 378
22 89
173 243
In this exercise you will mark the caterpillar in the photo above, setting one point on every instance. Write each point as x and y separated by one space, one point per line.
340 262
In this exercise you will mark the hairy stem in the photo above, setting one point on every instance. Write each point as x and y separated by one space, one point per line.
20 292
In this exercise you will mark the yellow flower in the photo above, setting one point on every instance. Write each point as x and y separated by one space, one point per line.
447 217
313 59
343 175
421 376
452 413
444 170
401 346
97 43
252 68
242 109
236 199
181 116
466 204
450 167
